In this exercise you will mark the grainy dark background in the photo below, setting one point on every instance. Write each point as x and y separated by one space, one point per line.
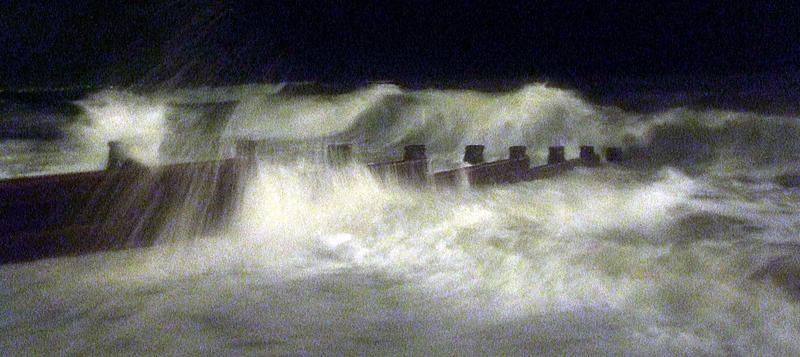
75 42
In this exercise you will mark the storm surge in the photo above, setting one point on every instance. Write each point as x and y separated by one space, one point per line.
385 117
691 247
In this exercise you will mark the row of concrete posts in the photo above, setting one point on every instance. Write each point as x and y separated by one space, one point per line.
413 166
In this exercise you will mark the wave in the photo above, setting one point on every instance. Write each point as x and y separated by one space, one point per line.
646 261
386 117
381 118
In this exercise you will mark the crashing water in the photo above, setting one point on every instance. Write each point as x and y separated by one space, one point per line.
693 251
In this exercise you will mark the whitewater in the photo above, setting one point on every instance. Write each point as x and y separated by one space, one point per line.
692 247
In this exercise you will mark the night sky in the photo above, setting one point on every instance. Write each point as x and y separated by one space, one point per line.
49 43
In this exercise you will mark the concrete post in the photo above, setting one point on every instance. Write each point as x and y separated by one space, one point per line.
339 154
116 155
416 167
518 152
414 152
588 154
555 155
520 162
614 154
473 154
246 149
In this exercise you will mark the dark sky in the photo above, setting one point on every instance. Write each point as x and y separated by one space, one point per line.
47 43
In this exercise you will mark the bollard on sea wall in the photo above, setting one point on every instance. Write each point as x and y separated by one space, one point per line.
339 154
246 158
473 154
116 155
520 162
518 155
416 164
555 155
614 154
518 152
414 152
489 173
588 156
247 149
413 168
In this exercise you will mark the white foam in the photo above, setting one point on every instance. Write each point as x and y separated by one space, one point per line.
333 261
137 121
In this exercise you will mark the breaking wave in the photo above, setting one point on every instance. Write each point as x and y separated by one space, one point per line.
689 249
384 117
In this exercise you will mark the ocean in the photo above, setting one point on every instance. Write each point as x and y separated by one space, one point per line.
691 247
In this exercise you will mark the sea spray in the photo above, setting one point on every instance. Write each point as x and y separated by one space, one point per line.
380 119
319 258
127 117
672 258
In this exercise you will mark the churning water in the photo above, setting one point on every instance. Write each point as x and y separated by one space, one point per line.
695 249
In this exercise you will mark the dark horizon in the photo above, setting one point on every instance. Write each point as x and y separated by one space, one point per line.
204 42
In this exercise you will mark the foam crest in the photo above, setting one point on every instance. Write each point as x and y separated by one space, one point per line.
135 120
607 259
462 240
303 117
